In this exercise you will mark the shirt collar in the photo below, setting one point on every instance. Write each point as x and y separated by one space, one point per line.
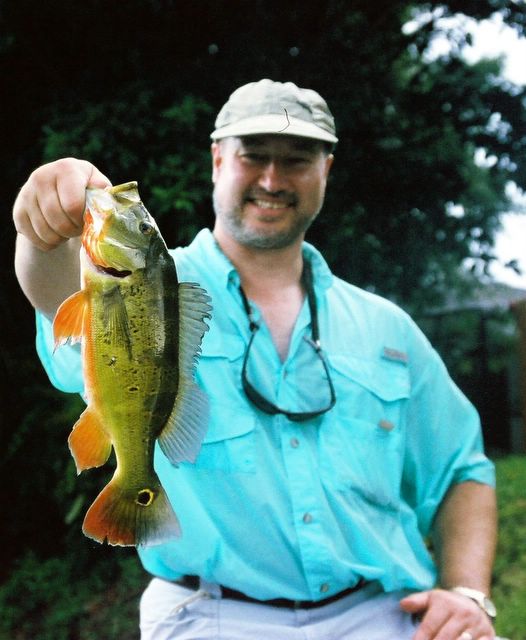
320 269
210 253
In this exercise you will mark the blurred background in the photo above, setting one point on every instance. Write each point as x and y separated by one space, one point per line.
424 206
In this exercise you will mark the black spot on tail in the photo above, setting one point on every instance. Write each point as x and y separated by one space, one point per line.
145 497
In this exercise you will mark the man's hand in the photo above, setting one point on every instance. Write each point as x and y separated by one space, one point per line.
47 214
48 210
447 616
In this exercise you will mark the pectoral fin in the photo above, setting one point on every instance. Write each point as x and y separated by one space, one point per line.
117 327
68 324
89 443
185 429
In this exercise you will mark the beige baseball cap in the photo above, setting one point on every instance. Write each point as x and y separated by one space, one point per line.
268 107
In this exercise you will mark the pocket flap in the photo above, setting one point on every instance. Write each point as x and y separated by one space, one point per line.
227 422
217 344
389 380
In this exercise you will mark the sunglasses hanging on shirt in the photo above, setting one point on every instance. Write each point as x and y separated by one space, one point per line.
257 398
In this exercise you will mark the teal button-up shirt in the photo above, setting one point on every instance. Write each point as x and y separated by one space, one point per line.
302 510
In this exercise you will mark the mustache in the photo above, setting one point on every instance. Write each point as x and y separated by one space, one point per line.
284 196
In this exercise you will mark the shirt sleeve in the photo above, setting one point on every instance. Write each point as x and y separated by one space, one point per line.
444 437
63 365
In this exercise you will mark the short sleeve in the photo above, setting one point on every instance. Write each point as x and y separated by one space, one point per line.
444 436
63 365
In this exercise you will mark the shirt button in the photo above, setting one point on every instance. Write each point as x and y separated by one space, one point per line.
307 518
324 587
294 443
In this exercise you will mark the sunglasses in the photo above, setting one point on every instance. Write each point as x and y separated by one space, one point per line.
325 380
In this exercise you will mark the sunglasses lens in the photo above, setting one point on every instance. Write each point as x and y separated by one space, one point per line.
305 389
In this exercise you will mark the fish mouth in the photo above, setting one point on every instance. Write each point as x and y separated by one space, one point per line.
114 273
98 263
107 270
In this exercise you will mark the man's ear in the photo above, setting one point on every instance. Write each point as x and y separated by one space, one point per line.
216 159
328 164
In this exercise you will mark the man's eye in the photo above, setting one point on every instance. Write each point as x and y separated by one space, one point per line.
254 157
297 161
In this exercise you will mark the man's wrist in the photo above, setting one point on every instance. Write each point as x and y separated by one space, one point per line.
479 598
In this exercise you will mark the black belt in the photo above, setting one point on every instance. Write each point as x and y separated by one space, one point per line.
192 582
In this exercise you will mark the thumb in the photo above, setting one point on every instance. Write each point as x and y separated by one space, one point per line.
415 603
98 179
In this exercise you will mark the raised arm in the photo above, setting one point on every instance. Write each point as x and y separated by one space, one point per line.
48 218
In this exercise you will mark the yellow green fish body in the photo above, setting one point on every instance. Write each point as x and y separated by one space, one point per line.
141 332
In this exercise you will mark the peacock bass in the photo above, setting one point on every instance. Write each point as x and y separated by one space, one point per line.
140 332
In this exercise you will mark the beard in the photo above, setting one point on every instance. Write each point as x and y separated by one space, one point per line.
234 221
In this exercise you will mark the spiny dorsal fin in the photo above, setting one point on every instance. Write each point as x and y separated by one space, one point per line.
126 193
186 426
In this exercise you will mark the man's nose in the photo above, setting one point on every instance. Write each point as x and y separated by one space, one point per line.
273 177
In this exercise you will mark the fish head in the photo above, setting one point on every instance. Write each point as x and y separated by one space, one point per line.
118 230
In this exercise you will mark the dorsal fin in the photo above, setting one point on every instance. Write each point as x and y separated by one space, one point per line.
186 426
126 193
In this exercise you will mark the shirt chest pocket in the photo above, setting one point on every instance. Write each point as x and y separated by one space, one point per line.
229 442
364 437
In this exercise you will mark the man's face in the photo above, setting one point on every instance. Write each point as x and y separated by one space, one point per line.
268 189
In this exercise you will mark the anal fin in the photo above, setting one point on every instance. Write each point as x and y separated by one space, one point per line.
89 443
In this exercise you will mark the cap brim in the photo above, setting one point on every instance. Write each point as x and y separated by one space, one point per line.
275 125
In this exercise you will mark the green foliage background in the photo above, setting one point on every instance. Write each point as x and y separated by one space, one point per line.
133 86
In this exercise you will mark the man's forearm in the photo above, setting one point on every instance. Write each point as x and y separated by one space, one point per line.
47 277
465 535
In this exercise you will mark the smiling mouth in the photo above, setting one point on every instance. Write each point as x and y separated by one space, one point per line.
271 204
263 204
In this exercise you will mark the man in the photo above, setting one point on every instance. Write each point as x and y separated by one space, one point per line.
307 511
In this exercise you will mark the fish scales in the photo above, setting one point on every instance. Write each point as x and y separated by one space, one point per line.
141 332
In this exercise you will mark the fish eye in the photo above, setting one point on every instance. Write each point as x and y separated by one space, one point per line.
145 228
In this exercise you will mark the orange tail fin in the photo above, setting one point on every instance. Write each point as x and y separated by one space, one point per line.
131 516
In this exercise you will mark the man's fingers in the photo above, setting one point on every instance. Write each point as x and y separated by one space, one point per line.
50 206
98 179
25 228
432 625
415 603
445 616
30 222
68 195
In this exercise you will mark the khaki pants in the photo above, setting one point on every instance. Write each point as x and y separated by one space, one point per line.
169 611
